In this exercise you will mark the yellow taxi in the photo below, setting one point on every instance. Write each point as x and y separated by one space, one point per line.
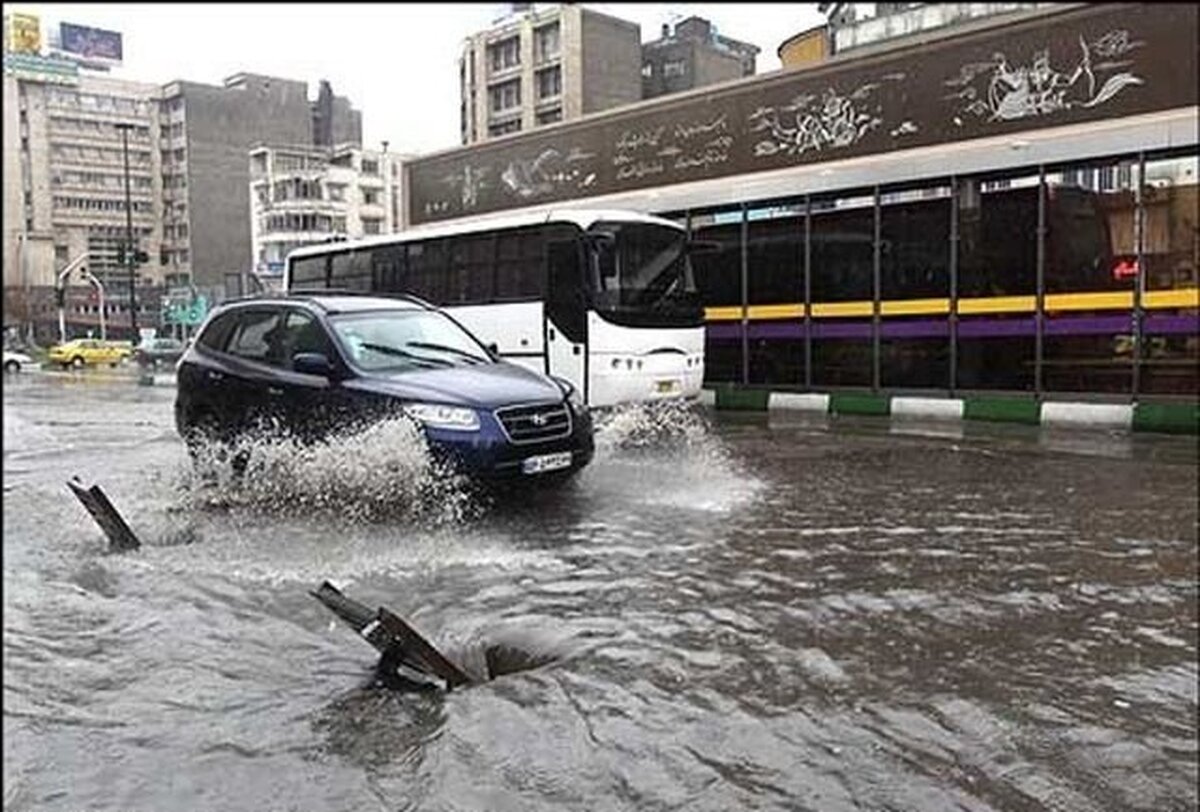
90 351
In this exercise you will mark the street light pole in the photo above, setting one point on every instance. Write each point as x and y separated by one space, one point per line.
91 277
130 252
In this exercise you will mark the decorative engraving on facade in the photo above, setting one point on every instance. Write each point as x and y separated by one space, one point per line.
816 123
684 146
1077 65
997 91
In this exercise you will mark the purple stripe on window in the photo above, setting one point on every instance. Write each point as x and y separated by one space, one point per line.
915 328
1161 324
1089 325
996 328
968 327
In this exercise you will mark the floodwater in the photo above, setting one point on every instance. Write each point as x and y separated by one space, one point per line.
732 612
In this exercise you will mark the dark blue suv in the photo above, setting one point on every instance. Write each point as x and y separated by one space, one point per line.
315 365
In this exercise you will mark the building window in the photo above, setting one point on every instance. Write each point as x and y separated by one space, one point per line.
504 128
370 167
372 226
545 42
647 70
549 82
370 196
505 96
505 54
549 116
675 68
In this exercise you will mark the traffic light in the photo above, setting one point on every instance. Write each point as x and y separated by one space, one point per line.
140 257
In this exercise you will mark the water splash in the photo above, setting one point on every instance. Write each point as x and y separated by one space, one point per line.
384 471
667 452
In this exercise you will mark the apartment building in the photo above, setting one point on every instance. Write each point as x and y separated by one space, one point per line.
693 55
301 195
534 68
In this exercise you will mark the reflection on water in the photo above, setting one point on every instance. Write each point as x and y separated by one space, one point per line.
719 614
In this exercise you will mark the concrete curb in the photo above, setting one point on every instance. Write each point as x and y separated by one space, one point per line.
1170 418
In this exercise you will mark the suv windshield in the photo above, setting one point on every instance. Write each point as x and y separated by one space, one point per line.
402 340
643 275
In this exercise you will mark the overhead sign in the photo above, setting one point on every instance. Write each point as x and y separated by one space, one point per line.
24 34
90 43
47 69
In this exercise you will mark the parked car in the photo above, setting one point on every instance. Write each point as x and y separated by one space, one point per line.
318 364
16 361
156 352
90 351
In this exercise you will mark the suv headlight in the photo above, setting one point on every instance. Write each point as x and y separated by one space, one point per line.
437 416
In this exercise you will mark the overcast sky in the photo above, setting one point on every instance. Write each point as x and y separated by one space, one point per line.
398 64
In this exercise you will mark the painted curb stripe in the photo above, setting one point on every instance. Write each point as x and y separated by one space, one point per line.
744 400
1004 410
936 408
804 402
855 403
1168 418
1098 415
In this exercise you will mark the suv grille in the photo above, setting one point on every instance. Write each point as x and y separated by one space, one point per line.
533 424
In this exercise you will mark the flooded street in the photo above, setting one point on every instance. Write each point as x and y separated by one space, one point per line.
739 612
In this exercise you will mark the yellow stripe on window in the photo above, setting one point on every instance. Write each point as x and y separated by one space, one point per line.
914 307
1118 300
1183 297
835 309
998 304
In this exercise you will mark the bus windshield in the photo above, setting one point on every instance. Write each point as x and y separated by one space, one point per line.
642 275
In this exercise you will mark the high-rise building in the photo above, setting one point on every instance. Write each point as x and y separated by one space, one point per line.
208 132
538 67
301 195
691 56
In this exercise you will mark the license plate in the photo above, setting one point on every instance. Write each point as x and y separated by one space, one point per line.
666 386
546 462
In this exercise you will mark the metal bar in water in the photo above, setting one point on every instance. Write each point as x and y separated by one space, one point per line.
392 636
120 537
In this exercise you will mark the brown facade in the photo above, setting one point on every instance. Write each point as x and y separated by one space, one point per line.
1082 64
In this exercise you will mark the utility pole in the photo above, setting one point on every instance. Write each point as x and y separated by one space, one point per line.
130 251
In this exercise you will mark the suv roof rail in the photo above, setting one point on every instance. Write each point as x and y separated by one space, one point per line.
373 294
313 293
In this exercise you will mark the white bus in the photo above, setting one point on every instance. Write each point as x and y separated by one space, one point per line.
603 299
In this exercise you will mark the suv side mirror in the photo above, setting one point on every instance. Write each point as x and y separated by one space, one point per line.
312 363
493 350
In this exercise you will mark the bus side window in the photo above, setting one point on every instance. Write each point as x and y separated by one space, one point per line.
350 270
310 272
520 272
387 269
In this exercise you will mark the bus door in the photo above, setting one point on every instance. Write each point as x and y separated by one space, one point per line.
566 314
